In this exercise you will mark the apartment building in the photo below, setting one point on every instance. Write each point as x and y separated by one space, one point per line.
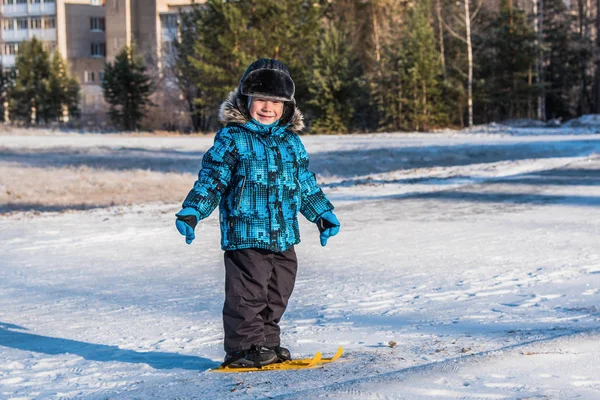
82 40
75 28
150 24
88 33
22 20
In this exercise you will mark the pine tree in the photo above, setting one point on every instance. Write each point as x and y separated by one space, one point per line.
506 69
563 64
220 54
229 35
29 95
408 84
7 81
127 89
63 91
189 34
336 86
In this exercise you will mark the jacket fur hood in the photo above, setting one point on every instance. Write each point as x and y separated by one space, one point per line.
235 110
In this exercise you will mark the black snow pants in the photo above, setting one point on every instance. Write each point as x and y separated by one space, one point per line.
258 285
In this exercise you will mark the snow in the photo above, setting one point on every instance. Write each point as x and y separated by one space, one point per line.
588 120
477 252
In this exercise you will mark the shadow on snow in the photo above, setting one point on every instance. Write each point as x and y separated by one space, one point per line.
342 163
11 336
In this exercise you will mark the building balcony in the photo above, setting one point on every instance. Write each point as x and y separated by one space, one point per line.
43 34
12 10
42 9
20 35
17 35
7 61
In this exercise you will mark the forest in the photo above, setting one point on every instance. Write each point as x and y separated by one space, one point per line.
397 65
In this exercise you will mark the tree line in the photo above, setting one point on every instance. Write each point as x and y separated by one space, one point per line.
359 66
39 89
398 65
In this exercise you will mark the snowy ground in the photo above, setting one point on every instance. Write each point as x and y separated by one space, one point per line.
478 254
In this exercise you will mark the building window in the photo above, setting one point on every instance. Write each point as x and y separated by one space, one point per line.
98 49
22 23
49 22
100 76
36 23
48 1
97 2
97 24
9 24
169 21
21 1
8 2
35 1
89 76
10 49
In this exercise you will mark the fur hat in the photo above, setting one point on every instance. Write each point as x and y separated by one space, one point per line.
266 78
269 79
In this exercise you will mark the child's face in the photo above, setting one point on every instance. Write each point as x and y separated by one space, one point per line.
266 111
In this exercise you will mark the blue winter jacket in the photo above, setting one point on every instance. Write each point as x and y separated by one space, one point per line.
258 176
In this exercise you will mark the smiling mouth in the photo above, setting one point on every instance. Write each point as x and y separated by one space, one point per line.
266 116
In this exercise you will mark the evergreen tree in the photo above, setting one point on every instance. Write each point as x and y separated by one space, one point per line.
422 71
336 86
409 83
39 87
7 81
63 91
127 89
229 35
560 44
506 69
218 58
189 35
29 95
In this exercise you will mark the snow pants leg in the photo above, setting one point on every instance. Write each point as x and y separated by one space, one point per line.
258 285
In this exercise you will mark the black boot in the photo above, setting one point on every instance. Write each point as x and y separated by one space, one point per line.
256 356
283 354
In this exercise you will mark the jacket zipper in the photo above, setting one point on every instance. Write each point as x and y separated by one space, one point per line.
241 194
299 190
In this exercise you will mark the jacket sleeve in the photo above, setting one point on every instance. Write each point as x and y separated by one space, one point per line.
215 175
314 201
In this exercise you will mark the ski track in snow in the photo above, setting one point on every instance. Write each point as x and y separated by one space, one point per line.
479 255
413 382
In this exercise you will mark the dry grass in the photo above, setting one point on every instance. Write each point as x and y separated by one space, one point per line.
9 130
56 189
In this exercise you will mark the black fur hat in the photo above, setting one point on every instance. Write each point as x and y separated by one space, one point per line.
269 79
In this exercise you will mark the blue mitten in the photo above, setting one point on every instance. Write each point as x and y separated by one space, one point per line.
186 222
328 226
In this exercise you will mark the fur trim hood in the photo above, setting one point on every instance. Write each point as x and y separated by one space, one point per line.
235 110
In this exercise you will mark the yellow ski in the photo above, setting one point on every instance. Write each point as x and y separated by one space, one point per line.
302 363
336 356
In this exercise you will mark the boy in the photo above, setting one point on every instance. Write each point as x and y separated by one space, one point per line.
256 172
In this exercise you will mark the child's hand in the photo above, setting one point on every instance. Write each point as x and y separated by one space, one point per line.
186 222
328 226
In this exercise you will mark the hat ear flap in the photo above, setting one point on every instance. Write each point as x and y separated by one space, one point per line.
289 108
242 105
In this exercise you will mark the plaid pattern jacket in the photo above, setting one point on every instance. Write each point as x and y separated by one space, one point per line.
258 176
